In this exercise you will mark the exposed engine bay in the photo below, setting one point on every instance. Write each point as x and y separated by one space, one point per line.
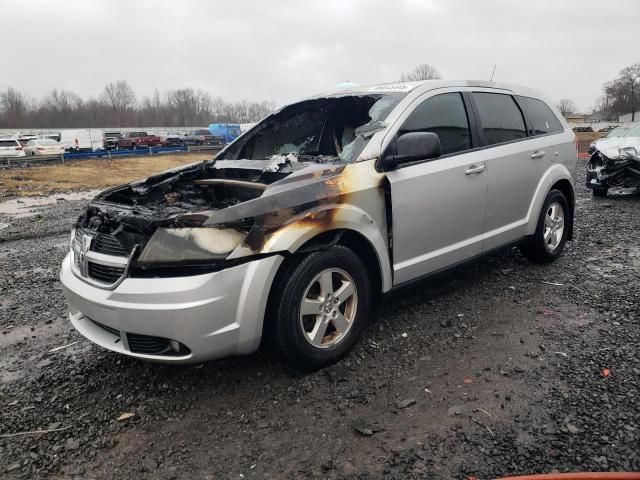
615 163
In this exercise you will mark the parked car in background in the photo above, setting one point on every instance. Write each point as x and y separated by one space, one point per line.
582 129
111 139
228 131
43 146
82 140
24 139
287 234
10 147
201 136
171 140
133 140
613 133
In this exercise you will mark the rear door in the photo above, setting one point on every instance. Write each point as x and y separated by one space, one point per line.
438 205
514 166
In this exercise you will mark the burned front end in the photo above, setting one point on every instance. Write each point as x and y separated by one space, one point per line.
615 163
178 267
153 227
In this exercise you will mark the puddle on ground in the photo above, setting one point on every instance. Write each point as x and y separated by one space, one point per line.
27 206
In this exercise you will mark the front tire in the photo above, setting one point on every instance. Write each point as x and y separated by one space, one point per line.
552 230
320 307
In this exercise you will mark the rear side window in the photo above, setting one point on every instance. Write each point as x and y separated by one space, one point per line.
8 143
542 119
444 115
500 117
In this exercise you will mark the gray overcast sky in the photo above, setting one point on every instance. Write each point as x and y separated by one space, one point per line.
284 50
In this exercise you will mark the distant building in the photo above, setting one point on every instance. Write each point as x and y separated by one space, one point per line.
597 117
575 118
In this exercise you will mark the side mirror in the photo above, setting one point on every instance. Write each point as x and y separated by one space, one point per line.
412 147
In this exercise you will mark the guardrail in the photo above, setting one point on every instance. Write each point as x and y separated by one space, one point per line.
43 159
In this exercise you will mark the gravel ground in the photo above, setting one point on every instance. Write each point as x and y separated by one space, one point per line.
486 371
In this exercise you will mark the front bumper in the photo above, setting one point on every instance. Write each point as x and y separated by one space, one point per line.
214 315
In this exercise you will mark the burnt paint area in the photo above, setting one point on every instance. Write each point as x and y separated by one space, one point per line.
131 213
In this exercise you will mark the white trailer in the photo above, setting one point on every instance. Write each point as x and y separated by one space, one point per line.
82 139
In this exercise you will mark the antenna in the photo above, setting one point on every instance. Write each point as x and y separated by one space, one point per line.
494 71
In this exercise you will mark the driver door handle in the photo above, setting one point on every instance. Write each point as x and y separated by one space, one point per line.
538 154
473 169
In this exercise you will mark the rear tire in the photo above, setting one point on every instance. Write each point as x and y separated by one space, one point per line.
552 230
319 307
599 192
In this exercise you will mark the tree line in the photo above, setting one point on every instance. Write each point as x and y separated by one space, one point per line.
119 106
619 96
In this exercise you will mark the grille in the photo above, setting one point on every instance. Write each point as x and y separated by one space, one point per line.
105 274
108 244
106 328
148 344
102 242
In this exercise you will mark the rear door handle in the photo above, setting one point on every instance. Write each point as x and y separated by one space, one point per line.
538 154
473 169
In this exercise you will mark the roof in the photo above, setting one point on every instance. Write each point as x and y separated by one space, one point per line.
427 85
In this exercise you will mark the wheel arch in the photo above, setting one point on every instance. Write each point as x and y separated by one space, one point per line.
567 190
352 239
557 177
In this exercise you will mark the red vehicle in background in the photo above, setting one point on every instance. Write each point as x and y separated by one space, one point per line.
137 139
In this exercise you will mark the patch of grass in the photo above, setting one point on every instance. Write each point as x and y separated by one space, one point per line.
89 174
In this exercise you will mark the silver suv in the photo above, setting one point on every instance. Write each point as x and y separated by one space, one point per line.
295 228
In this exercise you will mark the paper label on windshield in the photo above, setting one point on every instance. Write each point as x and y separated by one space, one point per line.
392 87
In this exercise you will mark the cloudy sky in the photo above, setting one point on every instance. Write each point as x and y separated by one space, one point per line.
284 50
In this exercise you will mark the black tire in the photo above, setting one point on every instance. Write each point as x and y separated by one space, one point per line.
599 192
284 327
536 249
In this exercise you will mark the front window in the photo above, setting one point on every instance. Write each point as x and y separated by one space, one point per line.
444 115
633 132
326 129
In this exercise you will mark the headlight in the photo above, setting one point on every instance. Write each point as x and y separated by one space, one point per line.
628 153
180 244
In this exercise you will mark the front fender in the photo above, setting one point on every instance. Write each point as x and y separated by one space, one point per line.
552 176
328 217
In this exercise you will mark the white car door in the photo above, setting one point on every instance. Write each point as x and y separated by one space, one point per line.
438 205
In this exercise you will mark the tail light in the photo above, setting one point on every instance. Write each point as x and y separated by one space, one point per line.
40 148
18 147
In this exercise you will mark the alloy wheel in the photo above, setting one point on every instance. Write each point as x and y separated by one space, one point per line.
328 308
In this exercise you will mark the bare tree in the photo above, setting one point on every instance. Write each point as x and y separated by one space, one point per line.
624 91
421 72
566 106
120 98
13 107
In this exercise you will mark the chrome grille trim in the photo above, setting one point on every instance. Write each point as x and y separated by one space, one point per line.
95 268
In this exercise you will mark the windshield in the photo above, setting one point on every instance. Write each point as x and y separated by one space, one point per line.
634 131
616 132
47 141
325 129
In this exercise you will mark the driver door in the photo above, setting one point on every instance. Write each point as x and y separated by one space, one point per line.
438 205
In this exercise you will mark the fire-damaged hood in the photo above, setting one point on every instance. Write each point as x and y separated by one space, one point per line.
245 194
